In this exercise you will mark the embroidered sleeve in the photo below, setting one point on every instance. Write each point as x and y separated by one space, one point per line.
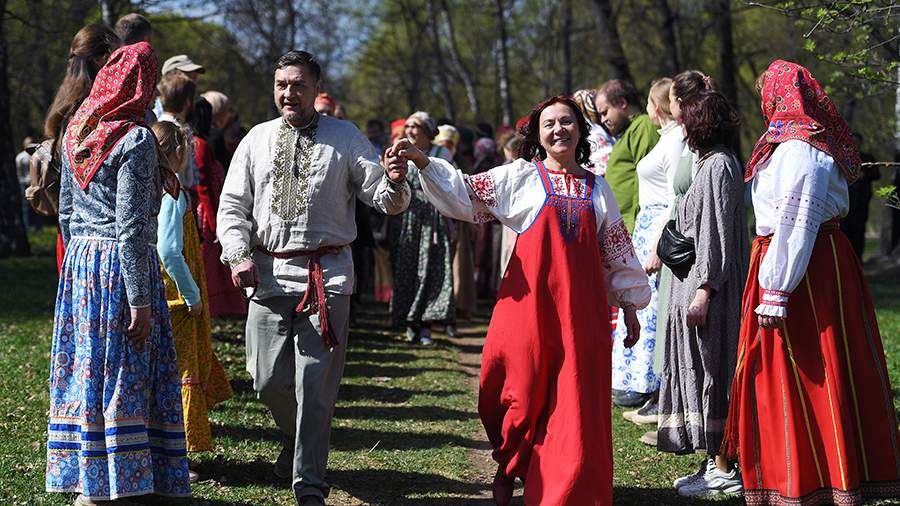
482 188
615 244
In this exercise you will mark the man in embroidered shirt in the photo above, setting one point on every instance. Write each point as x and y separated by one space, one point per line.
286 216
619 105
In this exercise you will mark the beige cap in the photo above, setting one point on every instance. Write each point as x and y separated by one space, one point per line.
183 63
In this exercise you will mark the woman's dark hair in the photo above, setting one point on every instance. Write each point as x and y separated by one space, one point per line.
530 148
302 59
89 45
691 81
201 118
709 120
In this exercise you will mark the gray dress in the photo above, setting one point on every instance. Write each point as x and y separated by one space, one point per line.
699 362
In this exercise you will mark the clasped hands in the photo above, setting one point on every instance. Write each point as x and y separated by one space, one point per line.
397 156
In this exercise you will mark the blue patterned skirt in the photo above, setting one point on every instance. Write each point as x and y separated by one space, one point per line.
116 426
632 368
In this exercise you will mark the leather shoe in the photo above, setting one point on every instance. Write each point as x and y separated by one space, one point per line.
630 399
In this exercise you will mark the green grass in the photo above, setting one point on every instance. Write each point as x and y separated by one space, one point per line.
405 426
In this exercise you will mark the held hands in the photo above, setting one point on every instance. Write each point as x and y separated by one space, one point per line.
632 326
139 328
696 314
244 275
401 152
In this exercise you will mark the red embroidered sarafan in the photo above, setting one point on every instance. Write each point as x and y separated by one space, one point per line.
122 92
796 107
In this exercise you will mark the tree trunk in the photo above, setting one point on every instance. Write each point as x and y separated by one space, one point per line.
464 75
610 43
567 46
503 65
449 106
667 31
727 77
13 240
106 13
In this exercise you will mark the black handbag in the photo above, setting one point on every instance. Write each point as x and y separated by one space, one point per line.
675 250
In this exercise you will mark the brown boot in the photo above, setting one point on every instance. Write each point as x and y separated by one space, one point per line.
503 488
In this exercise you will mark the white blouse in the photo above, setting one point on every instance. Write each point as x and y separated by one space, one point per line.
514 195
795 191
656 171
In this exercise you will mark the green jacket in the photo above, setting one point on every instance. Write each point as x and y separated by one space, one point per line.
621 171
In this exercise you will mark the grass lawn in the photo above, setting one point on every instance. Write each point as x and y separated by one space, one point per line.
405 432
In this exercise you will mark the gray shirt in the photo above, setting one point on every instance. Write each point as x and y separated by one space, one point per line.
289 190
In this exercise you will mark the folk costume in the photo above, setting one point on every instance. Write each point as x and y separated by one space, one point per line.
812 418
203 380
544 396
116 428
633 369
288 204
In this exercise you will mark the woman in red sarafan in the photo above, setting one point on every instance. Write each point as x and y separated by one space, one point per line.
812 416
224 298
544 397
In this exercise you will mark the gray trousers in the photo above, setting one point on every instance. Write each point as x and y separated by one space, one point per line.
297 377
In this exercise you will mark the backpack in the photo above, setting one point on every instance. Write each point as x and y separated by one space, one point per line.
43 192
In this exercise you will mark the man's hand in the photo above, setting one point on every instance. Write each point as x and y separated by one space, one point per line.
395 166
632 326
139 328
244 275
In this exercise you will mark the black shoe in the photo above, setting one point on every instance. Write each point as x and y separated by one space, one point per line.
630 399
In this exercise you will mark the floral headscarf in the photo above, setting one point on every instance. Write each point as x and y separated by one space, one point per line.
796 107
585 101
122 92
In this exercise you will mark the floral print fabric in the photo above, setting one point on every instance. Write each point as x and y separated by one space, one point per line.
115 427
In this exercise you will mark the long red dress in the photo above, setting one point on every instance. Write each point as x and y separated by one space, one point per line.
812 414
224 298
545 376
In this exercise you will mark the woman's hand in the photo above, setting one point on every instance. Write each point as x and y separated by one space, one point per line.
770 322
195 310
653 263
632 326
139 328
696 314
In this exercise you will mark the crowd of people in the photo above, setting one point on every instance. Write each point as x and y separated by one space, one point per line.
608 226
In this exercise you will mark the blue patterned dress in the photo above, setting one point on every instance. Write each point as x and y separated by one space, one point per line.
115 428
633 367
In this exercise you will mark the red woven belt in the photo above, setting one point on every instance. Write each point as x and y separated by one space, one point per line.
314 299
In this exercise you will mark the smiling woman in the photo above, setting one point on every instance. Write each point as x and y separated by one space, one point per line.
544 396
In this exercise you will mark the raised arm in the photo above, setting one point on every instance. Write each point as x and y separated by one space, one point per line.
373 185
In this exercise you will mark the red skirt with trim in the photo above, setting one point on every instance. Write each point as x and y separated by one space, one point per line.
812 416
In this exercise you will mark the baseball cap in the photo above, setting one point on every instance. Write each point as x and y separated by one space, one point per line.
183 63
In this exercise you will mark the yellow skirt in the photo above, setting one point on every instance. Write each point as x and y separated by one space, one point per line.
203 380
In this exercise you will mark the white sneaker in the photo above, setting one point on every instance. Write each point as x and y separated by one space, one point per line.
712 483
691 478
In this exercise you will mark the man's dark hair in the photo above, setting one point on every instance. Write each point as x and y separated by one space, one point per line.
300 58
376 123
617 90
133 28
176 91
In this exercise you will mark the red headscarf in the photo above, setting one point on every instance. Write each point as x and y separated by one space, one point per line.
796 107
122 92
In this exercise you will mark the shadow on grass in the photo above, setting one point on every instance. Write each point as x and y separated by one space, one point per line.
352 439
388 394
246 433
366 370
644 496
419 413
380 486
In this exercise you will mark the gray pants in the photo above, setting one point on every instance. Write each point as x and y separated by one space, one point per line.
297 377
